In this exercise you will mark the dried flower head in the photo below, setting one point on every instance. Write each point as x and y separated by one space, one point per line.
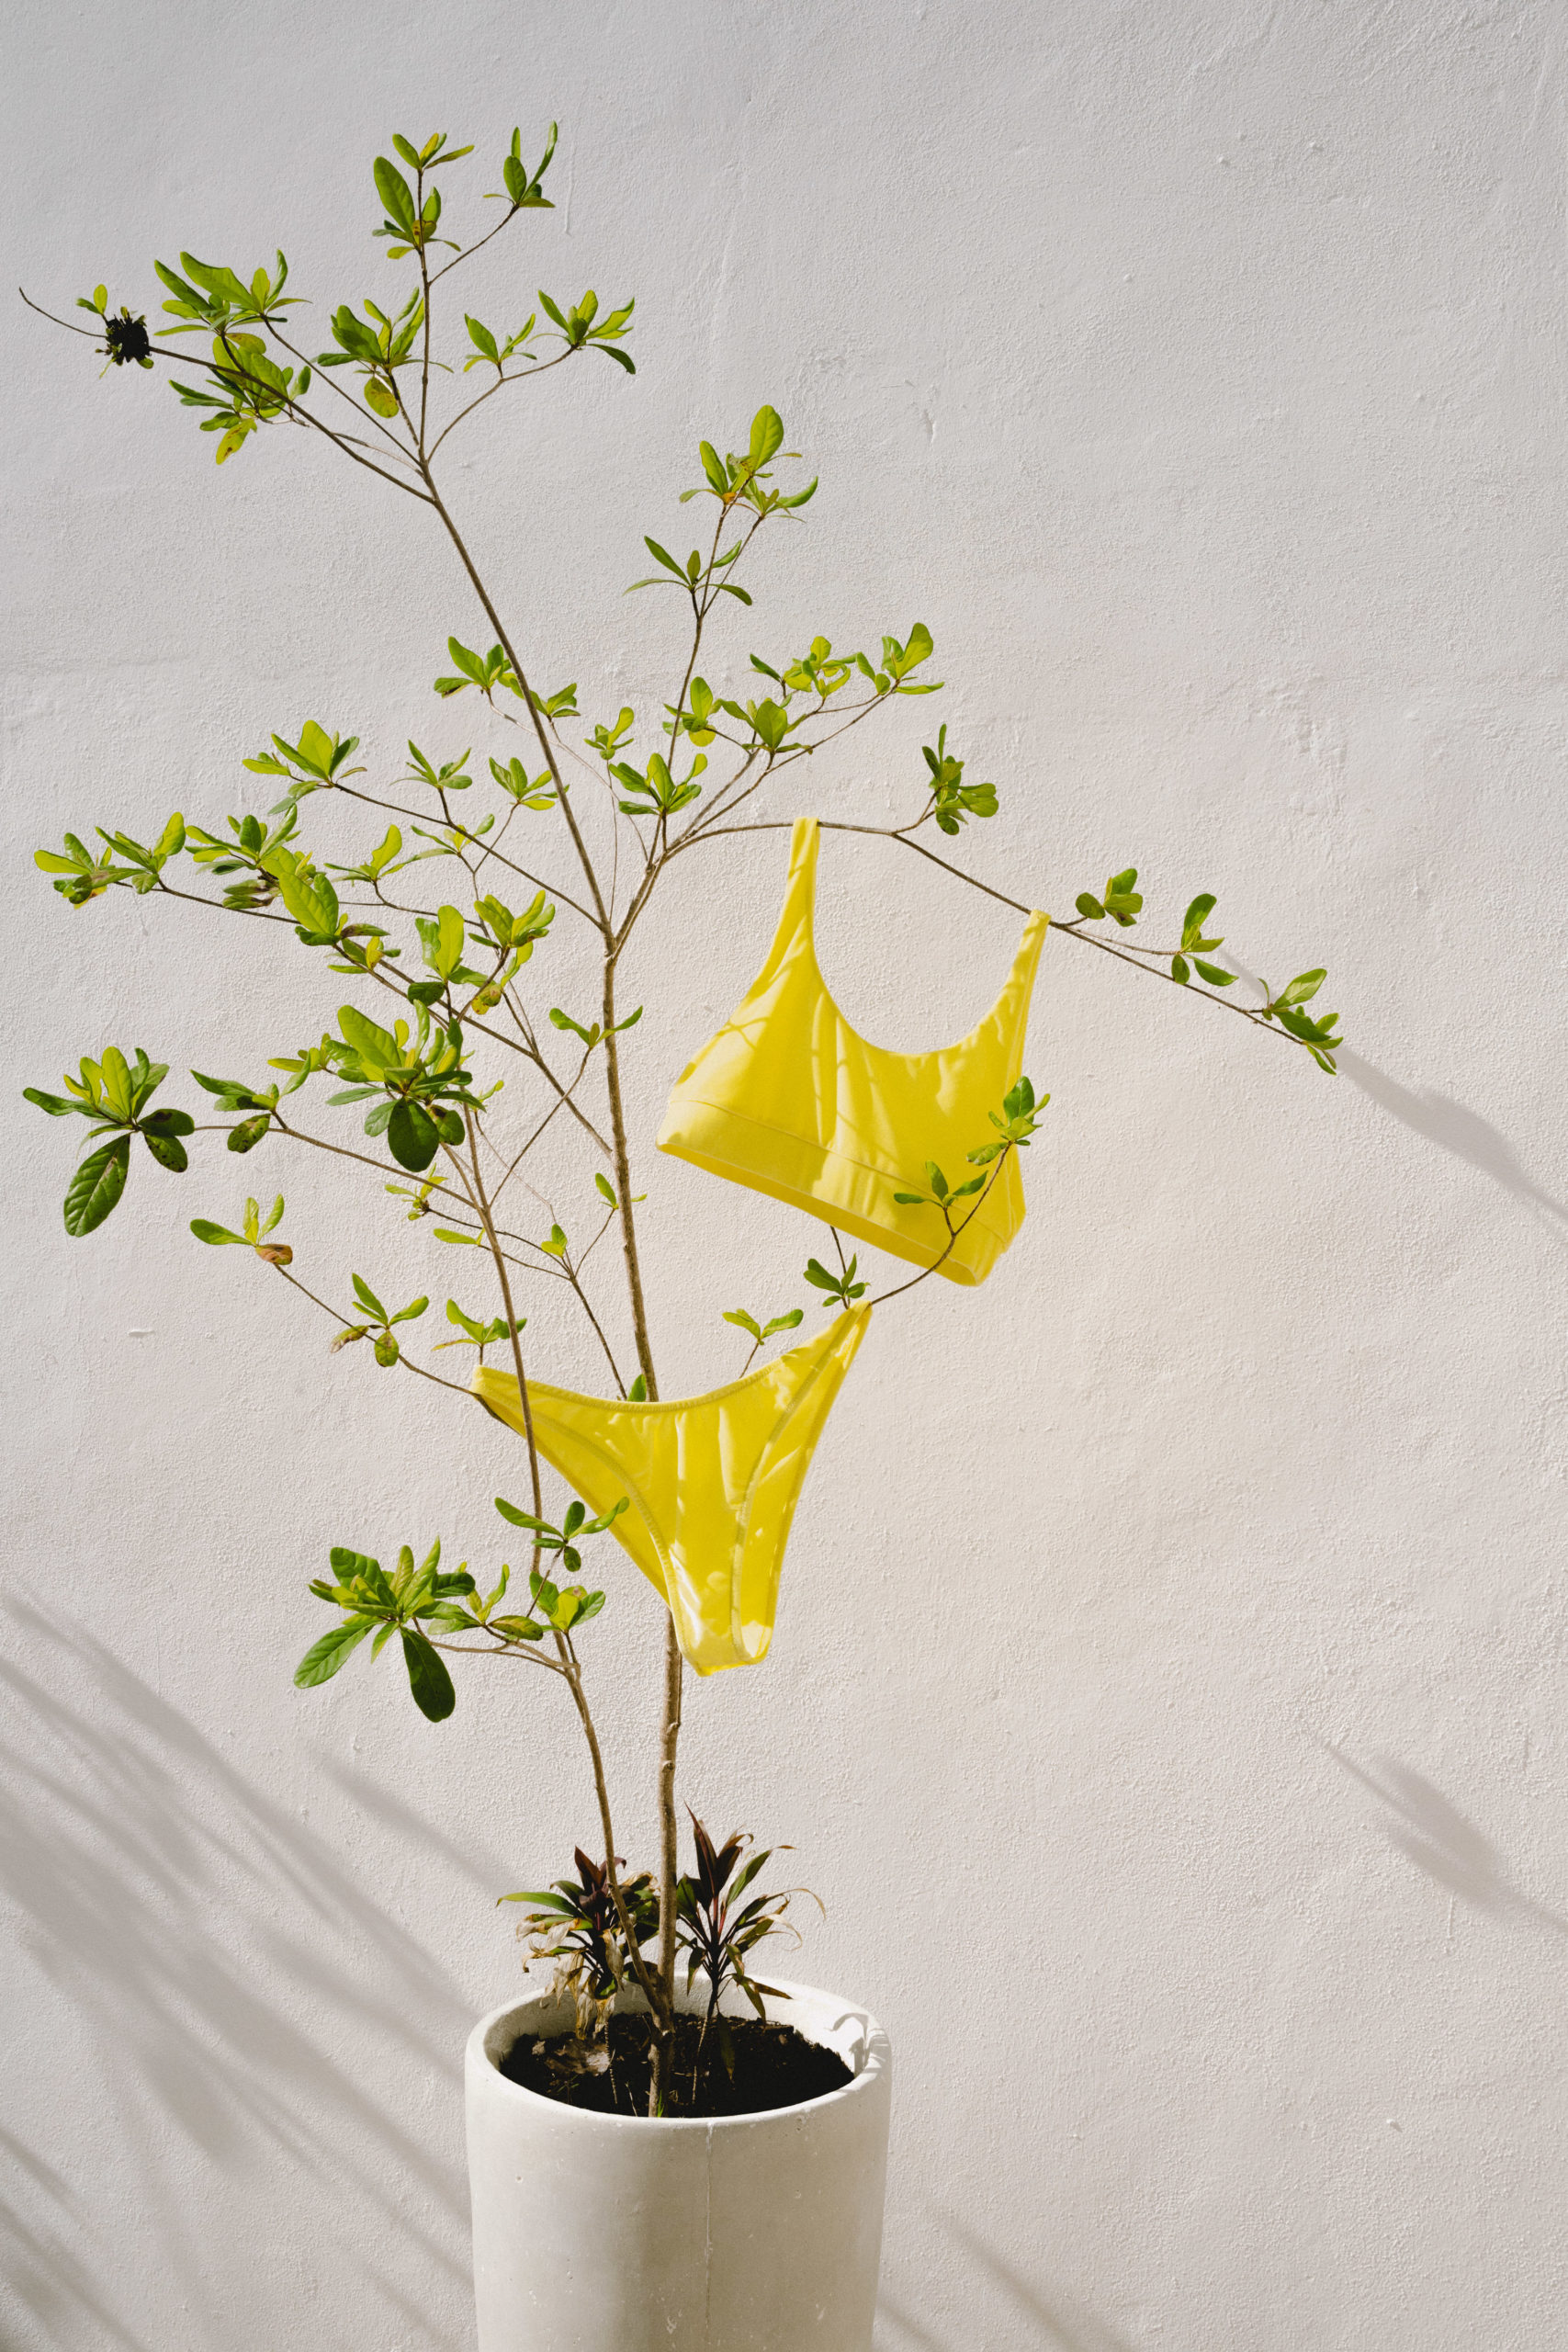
126 338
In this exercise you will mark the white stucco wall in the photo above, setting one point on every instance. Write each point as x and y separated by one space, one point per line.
1168 1698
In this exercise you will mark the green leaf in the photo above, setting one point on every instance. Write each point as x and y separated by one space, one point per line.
205 1230
412 1136
514 1514
375 1046
1297 991
323 1659
167 1150
1195 918
767 437
249 1133
397 198
1217 977
368 1298
1180 970
1090 907
96 1187
428 1677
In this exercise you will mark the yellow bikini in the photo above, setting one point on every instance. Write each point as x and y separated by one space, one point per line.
788 1099
713 1481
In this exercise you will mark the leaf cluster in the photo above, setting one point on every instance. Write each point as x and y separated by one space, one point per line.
486 671
112 1094
524 190
591 1034
1014 1126
1317 1035
253 388
379 349
735 480
379 1605
580 327
1194 945
952 801
715 1928
82 877
1120 900
654 792
255 391
379 1323
316 759
841 1288
475 1332
418 1080
253 1234
410 223
757 1332
576 1920
559 1608
213 299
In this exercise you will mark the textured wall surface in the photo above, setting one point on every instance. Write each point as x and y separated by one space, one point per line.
1168 1695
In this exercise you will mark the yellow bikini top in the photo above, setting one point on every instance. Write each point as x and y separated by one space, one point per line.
790 1100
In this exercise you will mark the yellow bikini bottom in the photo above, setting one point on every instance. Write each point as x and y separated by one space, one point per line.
712 1481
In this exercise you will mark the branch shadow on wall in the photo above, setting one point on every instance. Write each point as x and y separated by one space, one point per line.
1428 1830
1457 1129
238 1992
1028 2317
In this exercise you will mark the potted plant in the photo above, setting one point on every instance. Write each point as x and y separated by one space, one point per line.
666 2147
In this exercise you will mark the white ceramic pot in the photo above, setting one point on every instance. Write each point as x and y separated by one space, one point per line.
618 2233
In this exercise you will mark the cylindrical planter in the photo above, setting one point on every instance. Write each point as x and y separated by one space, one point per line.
619 2234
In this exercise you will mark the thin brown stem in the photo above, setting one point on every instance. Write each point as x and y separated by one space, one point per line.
538 368
655 1991
504 641
953 1233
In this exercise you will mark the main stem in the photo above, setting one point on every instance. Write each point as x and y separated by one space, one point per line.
675 1665
670 1729
563 1646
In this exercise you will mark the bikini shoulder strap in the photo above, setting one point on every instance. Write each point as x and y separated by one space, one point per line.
796 915
1011 1010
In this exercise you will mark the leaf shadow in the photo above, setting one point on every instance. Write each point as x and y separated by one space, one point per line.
1428 1830
1044 2320
1455 1128
241 1995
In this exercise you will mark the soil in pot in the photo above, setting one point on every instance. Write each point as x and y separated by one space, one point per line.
764 2066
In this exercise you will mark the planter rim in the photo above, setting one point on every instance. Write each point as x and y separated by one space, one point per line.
878 2054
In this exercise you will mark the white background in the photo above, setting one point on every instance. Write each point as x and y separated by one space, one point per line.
1168 1695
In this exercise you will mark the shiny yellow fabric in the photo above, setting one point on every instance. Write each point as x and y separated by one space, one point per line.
788 1099
712 1481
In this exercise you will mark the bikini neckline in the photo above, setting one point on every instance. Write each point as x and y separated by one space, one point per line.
867 1044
